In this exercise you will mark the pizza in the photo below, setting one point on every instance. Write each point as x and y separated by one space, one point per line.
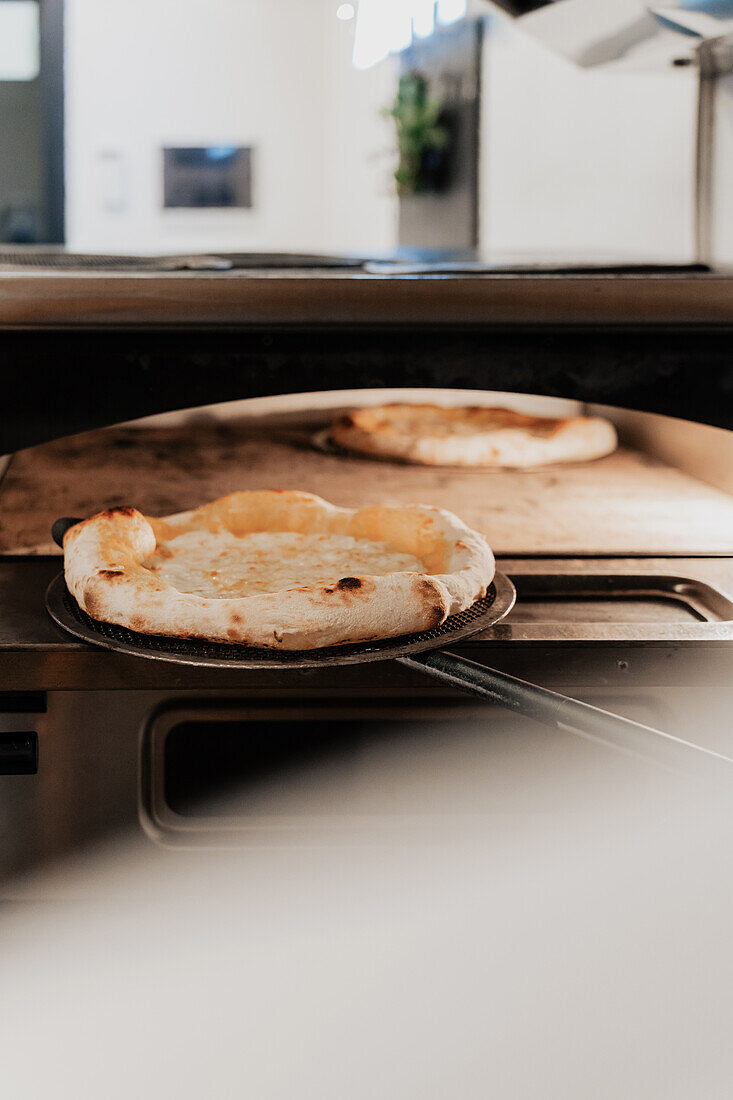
277 569
435 435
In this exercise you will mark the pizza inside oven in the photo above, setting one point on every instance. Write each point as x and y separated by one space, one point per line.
280 570
437 435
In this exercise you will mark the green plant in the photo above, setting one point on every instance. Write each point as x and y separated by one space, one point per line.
417 118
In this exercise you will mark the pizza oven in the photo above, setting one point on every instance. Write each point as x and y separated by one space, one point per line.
165 391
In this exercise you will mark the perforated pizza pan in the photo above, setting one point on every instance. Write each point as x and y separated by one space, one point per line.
65 611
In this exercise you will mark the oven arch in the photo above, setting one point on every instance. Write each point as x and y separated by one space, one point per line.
57 383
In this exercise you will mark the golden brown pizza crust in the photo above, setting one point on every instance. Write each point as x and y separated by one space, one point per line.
426 564
472 436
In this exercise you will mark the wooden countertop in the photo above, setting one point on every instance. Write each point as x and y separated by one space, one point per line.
625 504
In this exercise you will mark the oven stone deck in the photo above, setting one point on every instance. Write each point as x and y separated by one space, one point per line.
626 504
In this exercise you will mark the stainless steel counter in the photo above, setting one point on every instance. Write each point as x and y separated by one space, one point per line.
67 298
667 645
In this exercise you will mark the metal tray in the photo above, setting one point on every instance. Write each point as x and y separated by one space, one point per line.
701 600
614 607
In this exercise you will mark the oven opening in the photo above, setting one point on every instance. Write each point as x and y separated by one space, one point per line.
320 765
337 768
210 764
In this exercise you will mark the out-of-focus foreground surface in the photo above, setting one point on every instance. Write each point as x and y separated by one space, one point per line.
561 928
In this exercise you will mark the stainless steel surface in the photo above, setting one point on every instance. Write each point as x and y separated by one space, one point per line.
42 259
617 37
705 601
582 601
184 298
714 60
704 153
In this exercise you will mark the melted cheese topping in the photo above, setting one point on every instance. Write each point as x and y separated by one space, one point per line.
223 565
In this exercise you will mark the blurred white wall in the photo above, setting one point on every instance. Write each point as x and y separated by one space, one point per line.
573 163
142 74
360 149
581 162
721 229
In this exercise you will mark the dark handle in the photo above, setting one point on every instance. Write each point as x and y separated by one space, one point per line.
61 526
19 753
559 711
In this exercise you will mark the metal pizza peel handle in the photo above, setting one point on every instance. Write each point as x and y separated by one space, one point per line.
561 712
61 526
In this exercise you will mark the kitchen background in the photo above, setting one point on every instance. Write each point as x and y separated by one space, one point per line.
534 158
434 898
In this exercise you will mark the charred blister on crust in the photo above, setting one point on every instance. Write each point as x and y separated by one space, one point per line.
91 603
429 592
123 510
108 514
348 582
110 574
